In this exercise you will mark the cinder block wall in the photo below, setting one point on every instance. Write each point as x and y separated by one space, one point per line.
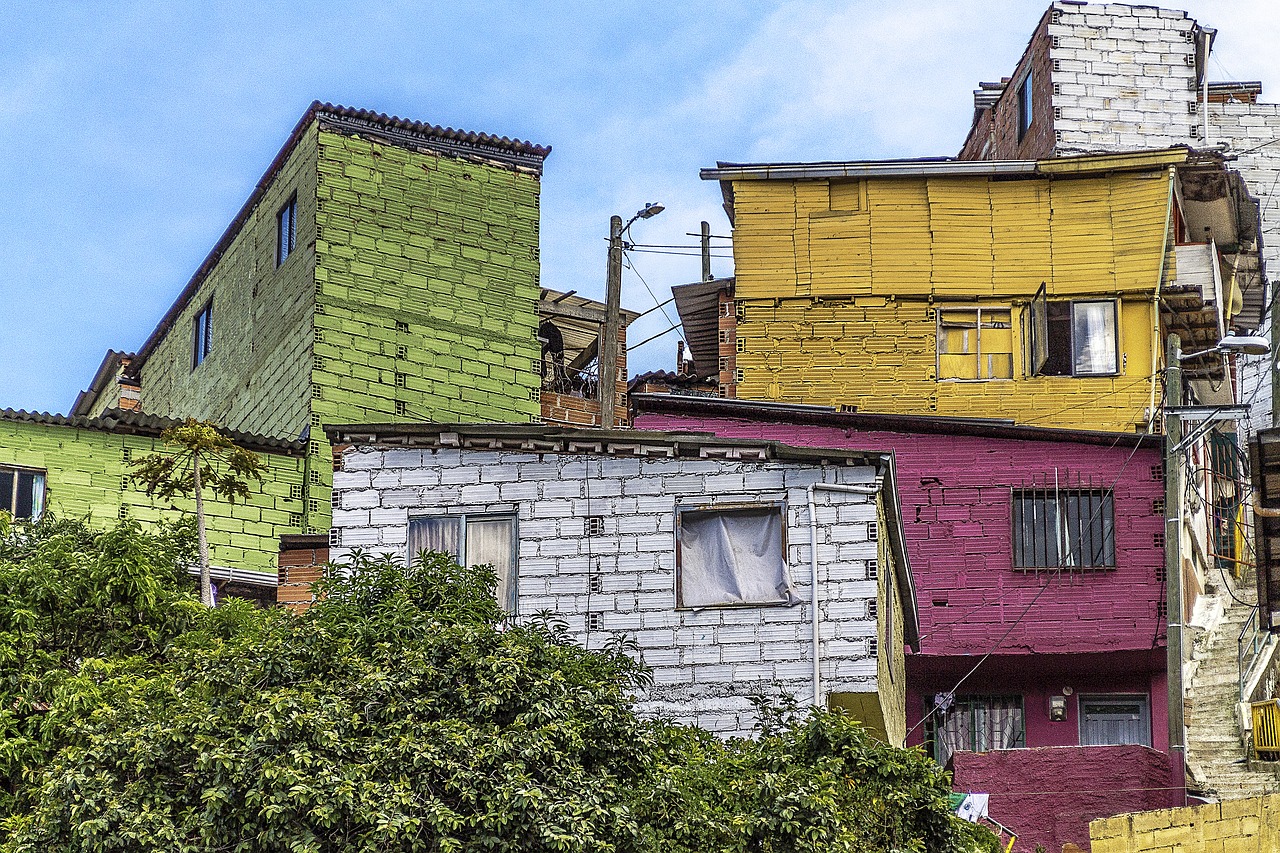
255 378
1239 826
957 511
706 663
87 472
1124 77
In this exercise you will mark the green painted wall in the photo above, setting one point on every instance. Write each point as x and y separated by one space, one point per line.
256 378
85 473
412 295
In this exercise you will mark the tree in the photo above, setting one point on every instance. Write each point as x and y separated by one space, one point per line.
204 459
404 711
70 599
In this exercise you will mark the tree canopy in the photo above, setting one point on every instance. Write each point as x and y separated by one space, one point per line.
404 712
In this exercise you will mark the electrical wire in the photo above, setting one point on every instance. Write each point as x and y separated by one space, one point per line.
666 331
656 301
679 253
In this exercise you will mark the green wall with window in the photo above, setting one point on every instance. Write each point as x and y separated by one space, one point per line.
86 467
410 294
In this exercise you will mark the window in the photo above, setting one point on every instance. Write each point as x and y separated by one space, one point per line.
22 492
202 335
472 540
1064 528
1074 338
975 343
286 230
1107 720
1024 106
732 556
975 724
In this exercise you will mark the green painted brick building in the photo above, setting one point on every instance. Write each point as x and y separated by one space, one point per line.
382 270
78 467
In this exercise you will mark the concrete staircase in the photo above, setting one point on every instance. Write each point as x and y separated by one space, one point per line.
1217 765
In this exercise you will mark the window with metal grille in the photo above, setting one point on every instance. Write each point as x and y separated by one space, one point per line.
286 230
1064 528
22 492
974 724
595 525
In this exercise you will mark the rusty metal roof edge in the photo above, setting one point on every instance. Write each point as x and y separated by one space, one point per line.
122 421
828 416
557 439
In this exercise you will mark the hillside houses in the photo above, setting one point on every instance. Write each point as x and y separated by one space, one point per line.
962 450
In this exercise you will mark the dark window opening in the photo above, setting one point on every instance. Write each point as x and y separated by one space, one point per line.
1024 106
286 230
1074 338
202 335
1064 528
22 492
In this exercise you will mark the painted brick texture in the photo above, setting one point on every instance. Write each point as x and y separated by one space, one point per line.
956 497
255 378
706 663
86 471
1232 826
1027 789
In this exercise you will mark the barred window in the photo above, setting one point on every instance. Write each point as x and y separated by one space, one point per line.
975 724
1064 528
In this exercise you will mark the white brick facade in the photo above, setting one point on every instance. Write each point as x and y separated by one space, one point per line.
706 663
1124 77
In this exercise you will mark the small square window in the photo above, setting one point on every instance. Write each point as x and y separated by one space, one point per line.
22 492
732 556
286 230
202 335
975 343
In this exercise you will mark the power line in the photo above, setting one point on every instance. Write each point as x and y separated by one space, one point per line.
656 301
1030 604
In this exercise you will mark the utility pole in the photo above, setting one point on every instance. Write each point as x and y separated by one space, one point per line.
1173 549
706 250
607 383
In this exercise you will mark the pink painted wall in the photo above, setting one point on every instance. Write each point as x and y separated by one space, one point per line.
955 493
1049 795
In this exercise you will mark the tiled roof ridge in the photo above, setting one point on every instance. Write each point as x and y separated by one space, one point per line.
517 145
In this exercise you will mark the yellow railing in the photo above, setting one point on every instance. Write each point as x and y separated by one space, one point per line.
1266 728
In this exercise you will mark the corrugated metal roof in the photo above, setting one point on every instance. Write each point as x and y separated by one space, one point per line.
125 422
699 307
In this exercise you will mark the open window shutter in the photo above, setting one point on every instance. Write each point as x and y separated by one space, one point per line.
1039 330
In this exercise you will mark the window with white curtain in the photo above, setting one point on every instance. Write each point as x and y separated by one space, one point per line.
472 540
975 724
22 492
732 556
1081 338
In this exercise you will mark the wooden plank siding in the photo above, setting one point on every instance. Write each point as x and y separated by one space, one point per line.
839 283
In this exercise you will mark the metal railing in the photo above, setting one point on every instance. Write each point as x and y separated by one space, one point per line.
1266 729
1249 646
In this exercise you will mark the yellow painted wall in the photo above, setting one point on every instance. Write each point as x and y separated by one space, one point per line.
880 355
1236 826
838 283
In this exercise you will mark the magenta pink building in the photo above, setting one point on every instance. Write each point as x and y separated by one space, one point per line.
1038 558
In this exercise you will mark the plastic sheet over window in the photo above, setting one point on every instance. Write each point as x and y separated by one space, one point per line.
732 556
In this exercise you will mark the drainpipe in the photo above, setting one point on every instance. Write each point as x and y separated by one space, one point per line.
813 569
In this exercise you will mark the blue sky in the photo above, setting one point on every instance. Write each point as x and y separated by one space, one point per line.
131 133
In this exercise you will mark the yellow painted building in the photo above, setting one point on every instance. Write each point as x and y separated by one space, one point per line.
1024 290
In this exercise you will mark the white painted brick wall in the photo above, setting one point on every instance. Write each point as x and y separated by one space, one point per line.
1123 77
706 664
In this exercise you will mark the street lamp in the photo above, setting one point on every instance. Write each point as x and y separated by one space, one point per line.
606 384
1242 344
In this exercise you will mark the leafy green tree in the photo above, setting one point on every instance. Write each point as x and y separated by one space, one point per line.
203 458
404 712
70 599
